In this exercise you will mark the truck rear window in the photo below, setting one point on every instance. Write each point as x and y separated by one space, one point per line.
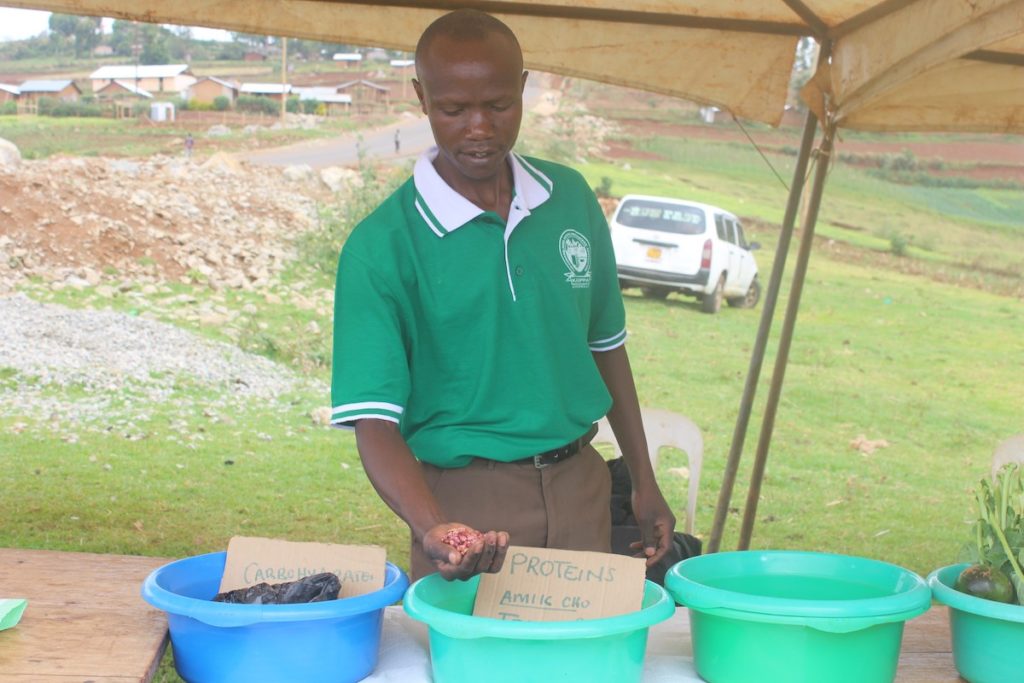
652 215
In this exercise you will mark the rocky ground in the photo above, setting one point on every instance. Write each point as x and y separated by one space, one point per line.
132 227
74 220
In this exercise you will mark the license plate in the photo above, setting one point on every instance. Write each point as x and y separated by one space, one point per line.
653 253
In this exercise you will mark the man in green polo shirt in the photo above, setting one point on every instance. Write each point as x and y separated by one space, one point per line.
479 331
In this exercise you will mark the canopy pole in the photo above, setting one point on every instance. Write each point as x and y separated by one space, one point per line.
760 343
786 337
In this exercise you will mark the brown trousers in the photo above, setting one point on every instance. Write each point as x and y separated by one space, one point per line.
565 505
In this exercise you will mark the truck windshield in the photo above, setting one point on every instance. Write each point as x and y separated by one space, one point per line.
653 215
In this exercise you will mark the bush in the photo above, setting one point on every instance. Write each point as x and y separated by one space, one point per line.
605 188
898 244
196 105
310 106
292 105
319 247
257 105
221 103
8 108
49 106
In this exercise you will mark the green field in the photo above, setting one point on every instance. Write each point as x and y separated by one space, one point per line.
922 350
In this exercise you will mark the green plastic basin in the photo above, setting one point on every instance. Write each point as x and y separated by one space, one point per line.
592 650
783 616
988 636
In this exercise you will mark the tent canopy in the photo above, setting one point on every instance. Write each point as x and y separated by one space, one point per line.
896 64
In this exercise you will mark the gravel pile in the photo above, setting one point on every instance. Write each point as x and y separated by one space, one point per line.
120 364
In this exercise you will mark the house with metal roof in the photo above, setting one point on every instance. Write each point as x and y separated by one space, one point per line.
274 91
30 92
209 88
122 90
333 101
367 95
8 92
348 58
155 78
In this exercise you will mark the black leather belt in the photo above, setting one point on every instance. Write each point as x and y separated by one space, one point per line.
563 453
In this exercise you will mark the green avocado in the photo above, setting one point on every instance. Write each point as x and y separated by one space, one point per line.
986 582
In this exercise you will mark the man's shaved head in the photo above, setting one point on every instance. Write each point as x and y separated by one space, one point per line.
461 25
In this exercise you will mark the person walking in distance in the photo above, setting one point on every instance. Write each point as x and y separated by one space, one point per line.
479 331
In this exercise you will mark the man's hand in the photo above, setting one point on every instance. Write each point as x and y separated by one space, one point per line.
657 524
484 555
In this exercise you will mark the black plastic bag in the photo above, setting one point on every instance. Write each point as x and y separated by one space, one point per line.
315 588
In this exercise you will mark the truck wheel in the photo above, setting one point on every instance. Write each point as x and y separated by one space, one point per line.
711 303
750 299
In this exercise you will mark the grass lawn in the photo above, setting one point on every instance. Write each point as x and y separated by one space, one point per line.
932 368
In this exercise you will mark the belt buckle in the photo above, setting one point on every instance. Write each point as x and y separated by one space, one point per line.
539 463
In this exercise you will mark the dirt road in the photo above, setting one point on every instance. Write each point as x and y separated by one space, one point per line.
378 144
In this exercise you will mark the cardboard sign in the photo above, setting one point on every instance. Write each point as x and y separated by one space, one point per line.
541 584
264 560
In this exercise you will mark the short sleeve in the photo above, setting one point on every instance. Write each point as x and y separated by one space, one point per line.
370 371
607 312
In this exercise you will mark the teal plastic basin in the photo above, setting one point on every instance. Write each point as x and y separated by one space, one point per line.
592 650
988 636
781 616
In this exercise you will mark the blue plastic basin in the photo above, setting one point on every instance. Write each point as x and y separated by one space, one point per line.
336 641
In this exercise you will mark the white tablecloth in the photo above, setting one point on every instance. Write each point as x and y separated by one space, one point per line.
404 652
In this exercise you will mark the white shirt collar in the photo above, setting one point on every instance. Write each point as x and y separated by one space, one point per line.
446 210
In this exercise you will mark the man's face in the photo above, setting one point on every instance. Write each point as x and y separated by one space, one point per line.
472 93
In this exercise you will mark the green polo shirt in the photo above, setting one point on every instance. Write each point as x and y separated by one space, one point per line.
473 334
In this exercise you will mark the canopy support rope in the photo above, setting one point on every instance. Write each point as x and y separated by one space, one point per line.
800 175
758 148
824 156
760 343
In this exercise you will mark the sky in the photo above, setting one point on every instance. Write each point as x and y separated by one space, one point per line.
18 24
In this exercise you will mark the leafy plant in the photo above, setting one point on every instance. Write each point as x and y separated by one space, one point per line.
998 531
605 188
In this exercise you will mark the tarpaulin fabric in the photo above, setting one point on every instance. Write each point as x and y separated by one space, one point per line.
896 64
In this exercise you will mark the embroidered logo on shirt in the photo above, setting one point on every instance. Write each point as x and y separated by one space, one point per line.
575 251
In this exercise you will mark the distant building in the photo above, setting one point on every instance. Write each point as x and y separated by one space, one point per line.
120 90
155 78
377 55
273 91
366 95
209 88
334 103
9 93
255 56
348 59
402 63
102 51
30 92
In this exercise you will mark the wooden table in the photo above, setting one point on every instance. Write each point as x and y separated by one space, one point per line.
926 655
85 620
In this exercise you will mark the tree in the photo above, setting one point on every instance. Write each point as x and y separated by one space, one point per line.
83 33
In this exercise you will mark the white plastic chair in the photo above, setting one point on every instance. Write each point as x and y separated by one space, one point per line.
665 428
1011 450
